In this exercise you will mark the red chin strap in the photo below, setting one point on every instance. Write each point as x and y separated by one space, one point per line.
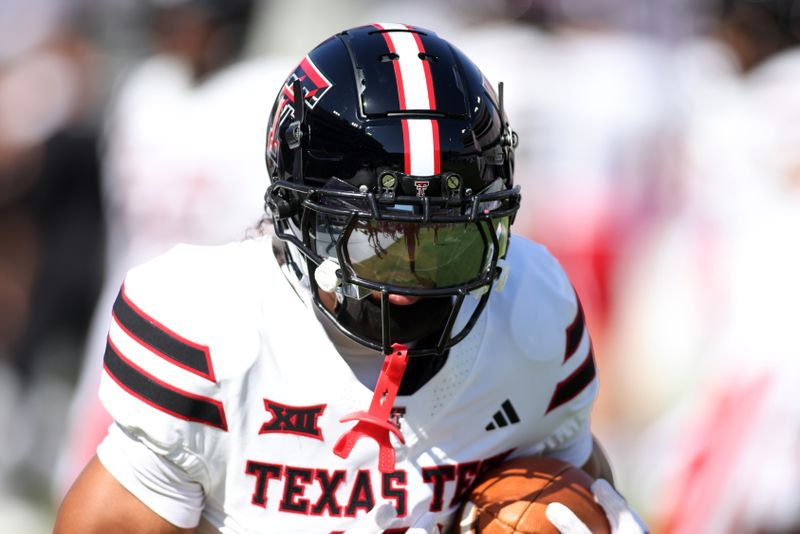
375 423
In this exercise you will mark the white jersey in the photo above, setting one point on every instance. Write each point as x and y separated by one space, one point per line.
217 365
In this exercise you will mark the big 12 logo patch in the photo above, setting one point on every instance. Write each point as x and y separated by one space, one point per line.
300 420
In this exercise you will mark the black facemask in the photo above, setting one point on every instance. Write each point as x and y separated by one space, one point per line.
413 322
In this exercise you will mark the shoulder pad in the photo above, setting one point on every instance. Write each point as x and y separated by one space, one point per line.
539 300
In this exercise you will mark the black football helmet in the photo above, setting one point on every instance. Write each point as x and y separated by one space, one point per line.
391 166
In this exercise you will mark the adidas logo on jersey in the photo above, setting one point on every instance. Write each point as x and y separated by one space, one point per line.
505 416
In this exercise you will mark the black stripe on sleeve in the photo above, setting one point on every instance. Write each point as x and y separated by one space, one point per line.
163 341
571 386
574 333
162 396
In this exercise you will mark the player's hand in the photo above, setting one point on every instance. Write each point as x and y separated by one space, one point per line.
621 517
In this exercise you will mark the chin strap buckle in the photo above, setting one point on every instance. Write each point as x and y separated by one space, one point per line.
375 423
328 276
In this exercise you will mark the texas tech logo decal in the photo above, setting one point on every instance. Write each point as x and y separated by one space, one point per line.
315 85
422 186
301 420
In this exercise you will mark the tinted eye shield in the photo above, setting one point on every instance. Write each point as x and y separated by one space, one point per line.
414 258
422 246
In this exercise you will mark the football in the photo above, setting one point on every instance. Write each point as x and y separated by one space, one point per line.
511 498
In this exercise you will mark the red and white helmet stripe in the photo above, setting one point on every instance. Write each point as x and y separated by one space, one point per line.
415 91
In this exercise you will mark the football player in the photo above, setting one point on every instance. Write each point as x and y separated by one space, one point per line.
359 370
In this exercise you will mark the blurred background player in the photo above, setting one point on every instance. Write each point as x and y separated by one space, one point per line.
179 164
702 333
592 137
51 235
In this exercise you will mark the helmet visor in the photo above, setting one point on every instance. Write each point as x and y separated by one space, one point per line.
414 255
410 254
